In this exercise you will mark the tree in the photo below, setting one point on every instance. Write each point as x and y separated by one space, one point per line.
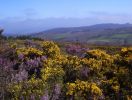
1 31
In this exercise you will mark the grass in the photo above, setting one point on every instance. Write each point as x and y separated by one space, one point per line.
121 36
115 38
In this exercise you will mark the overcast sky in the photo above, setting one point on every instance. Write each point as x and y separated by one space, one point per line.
25 16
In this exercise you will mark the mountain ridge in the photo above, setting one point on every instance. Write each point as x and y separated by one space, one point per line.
91 34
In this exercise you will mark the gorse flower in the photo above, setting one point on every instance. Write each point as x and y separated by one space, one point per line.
92 64
52 73
50 49
29 52
97 54
39 70
83 88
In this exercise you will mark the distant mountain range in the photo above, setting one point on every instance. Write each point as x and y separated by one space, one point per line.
95 34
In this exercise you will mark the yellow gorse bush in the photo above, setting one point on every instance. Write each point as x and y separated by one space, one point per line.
50 49
83 87
14 45
81 75
15 88
53 69
113 83
91 63
28 88
97 54
52 74
106 59
126 53
29 51
73 63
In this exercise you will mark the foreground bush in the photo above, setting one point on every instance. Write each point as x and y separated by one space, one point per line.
42 72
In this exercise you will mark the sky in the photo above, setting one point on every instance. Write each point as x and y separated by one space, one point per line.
26 16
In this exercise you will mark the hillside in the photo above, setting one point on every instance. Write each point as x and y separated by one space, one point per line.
98 34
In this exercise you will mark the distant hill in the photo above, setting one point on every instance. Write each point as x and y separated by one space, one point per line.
96 34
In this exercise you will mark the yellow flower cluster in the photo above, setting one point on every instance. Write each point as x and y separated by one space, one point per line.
50 49
27 88
113 83
73 63
66 70
29 51
15 87
124 49
83 87
127 54
97 54
93 64
14 45
106 59
52 74
58 61
52 70
115 88
35 86
71 88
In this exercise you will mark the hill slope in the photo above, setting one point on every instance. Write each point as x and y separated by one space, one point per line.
99 34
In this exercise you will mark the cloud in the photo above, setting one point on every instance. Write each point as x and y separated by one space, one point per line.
112 17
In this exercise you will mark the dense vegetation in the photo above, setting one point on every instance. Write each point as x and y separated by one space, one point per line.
45 70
